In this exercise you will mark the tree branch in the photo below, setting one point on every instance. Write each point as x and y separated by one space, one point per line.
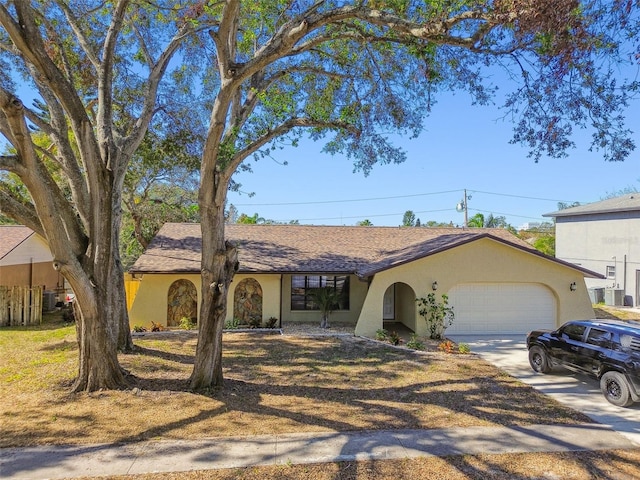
20 212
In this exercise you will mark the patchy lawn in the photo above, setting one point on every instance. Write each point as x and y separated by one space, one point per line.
278 384
274 384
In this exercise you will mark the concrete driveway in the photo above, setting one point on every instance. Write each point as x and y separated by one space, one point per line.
579 392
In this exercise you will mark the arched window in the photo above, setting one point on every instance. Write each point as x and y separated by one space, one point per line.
182 301
247 302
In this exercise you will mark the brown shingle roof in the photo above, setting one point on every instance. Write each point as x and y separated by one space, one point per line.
312 249
11 236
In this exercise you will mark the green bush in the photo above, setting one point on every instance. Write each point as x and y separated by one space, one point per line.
382 335
232 324
187 324
438 315
464 348
415 343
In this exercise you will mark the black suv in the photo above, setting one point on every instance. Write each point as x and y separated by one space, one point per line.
606 349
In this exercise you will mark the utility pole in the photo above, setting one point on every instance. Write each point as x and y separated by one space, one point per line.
463 207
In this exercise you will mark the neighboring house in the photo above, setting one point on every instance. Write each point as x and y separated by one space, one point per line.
604 237
25 259
497 283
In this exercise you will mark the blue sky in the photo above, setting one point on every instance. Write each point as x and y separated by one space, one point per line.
462 146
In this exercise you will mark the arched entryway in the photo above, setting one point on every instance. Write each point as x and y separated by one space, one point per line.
399 306
247 302
182 301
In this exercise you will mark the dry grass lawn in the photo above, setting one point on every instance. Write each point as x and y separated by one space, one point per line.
278 384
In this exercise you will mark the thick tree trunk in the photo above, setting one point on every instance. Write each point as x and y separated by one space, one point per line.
219 263
98 282
98 308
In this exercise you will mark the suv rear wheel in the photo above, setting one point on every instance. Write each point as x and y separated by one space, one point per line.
615 389
539 360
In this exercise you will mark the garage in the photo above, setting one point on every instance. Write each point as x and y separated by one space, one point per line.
501 308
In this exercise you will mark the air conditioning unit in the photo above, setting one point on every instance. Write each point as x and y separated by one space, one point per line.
48 301
614 297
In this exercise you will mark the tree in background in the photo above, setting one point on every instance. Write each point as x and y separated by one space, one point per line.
409 219
160 186
365 223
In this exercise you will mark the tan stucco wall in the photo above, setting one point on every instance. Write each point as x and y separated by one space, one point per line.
482 261
150 304
30 263
357 294
32 274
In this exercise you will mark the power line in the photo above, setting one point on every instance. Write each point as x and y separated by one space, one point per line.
340 201
371 199
367 216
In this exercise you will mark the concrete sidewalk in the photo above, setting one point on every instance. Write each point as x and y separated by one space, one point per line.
57 462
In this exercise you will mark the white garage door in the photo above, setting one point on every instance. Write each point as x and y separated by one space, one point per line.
501 308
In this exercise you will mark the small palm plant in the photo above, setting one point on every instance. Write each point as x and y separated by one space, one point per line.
327 300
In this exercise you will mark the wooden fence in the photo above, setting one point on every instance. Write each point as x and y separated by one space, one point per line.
20 306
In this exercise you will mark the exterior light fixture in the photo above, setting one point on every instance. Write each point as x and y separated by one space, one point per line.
434 286
573 286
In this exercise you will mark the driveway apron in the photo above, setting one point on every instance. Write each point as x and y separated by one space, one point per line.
580 392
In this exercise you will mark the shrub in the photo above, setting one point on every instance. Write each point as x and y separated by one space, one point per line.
415 343
187 324
382 335
232 324
394 338
255 322
446 346
272 322
156 327
138 329
438 315
464 348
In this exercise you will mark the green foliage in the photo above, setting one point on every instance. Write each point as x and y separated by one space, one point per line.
464 348
187 324
232 324
415 343
546 244
409 219
327 299
438 314
139 329
382 335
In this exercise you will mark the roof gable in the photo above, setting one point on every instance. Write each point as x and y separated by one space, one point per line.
11 236
363 251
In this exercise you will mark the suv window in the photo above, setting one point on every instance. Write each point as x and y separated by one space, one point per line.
599 337
573 332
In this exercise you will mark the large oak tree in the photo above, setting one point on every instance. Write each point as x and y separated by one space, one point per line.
346 73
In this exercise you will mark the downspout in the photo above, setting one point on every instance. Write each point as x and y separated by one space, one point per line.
281 300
